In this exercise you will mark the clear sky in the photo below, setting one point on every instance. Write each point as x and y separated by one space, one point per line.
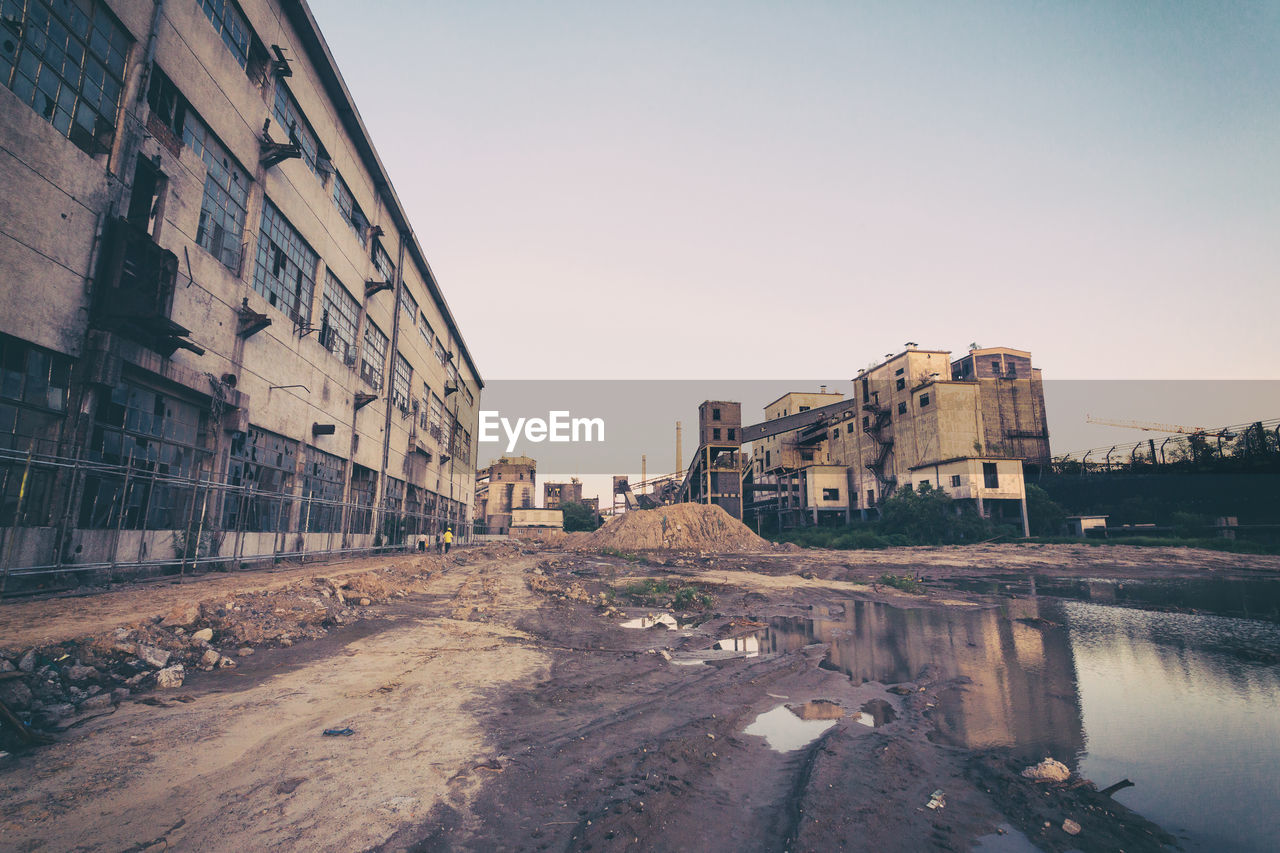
765 190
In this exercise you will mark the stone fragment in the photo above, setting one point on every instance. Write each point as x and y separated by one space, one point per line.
153 656
1048 770
210 658
28 661
76 672
244 651
364 602
170 676
204 635
100 702
1070 827
182 616
119 694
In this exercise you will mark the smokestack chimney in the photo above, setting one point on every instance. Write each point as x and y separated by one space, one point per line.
644 468
679 455
822 389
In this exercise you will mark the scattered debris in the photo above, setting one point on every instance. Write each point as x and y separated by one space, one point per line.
937 800
691 527
339 732
1070 827
1048 770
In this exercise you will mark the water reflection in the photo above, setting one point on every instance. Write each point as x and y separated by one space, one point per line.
1023 692
1180 704
784 731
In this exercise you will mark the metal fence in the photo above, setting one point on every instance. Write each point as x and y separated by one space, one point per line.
70 522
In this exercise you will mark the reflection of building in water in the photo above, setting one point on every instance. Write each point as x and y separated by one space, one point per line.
1023 691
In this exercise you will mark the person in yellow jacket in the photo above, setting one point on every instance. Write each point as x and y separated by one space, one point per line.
448 539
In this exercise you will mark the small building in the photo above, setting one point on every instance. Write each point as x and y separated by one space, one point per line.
1082 525
509 483
557 494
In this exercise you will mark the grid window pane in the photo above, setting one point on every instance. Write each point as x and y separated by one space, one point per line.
231 26
350 210
288 115
226 194
286 268
340 314
373 355
401 379
43 49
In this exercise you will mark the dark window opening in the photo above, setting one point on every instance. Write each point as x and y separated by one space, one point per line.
901 383
902 408
831 494
924 400
955 480
990 476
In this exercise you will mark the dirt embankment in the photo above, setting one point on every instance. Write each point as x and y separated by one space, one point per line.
682 527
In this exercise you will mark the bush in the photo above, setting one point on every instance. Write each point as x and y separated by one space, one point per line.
1045 516
906 583
929 517
579 516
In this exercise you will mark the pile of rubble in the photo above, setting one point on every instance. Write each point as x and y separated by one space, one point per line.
680 527
48 686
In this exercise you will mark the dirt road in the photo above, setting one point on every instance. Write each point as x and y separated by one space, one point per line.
488 715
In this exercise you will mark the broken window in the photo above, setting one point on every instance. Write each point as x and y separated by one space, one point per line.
152 433
363 486
408 303
955 480
350 210
437 418
990 475
900 384
382 261
924 400
168 108
849 427
424 329
902 408
288 115
373 355
226 194
231 26
924 485
441 353
831 494
401 379
286 269
66 61
322 487
339 318
733 434
424 406
262 463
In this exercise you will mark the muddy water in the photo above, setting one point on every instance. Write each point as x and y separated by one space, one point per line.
1185 705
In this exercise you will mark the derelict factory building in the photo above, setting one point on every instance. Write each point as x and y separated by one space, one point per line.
221 339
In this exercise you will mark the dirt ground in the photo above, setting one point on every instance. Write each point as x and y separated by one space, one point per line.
495 702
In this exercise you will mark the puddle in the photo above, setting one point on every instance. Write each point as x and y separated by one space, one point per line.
876 713
819 709
784 731
651 621
749 644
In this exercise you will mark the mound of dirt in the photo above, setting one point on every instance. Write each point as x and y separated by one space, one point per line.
681 527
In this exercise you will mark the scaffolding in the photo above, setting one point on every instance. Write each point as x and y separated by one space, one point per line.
69 522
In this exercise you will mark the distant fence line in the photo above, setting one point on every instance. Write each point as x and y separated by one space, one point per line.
67 522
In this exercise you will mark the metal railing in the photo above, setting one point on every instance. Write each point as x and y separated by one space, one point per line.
71 522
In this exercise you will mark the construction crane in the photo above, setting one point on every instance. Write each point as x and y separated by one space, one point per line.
1165 428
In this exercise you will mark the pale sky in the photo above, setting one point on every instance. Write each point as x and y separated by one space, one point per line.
765 190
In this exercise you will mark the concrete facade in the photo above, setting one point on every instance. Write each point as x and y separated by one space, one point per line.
912 415
507 484
205 269
556 494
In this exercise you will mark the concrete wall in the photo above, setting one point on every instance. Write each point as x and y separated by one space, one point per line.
54 199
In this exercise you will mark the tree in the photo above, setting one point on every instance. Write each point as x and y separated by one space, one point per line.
1044 514
579 516
928 516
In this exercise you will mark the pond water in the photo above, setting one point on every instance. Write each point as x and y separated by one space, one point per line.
1186 705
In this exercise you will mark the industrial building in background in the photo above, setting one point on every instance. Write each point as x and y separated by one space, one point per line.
221 339
508 484
917 419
